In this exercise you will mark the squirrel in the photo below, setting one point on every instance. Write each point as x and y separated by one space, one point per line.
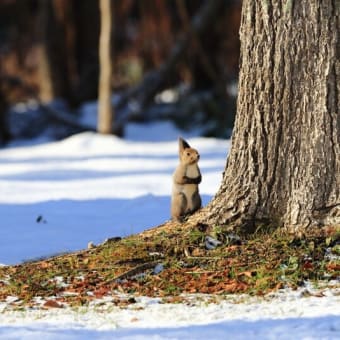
185 197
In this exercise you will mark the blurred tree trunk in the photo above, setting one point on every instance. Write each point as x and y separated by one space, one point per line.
47 85
4 135
105 110
53 69
284 166
87 25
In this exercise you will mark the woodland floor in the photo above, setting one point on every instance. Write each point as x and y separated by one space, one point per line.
173 259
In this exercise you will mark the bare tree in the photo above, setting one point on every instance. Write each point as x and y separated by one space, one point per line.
53 71
105 110
284 165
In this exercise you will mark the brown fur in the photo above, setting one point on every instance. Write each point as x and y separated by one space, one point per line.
185 195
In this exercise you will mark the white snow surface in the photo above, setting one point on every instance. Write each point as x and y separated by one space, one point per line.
284 315
58 196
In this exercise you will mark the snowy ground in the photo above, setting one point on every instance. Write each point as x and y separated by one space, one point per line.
286 315
58 196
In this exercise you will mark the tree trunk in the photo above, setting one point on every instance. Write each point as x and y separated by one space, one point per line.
47 90
87 27
4 135
105 110
284 166
53 71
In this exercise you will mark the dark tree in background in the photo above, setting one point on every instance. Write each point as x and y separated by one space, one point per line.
3 131
284 164
86 41
53 66
49 50
66 34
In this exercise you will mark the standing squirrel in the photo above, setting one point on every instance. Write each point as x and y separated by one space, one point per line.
185 197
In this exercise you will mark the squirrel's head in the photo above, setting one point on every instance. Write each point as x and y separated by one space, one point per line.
187 155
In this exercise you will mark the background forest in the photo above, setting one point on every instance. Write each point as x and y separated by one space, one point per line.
171 59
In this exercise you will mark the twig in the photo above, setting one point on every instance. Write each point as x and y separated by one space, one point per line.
205 272
131 272
206 257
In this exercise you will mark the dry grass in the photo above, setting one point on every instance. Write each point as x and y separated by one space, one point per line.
257 264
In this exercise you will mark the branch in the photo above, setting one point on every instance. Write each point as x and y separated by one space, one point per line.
65 118
155 80
134 271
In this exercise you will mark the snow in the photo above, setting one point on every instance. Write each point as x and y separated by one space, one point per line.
59 196
284 315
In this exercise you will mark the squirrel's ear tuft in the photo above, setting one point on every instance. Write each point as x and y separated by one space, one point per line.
183 144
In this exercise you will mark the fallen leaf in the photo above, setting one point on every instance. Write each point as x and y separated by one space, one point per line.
308 265
246 273
333 266
52 304
45 264
99 293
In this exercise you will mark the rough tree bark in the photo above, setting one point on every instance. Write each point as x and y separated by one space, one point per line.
105 110
284 164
